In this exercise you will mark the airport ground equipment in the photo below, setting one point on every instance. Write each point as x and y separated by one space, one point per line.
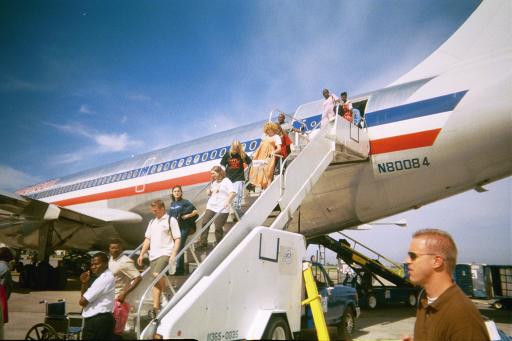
340 303
58 325
315 302
249 280
392 284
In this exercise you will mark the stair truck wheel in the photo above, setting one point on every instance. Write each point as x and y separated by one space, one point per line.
42 331
277 329
347 325
372 301
412 300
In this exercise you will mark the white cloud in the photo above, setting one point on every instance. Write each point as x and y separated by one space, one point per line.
115 142
103 143
12 179
84 109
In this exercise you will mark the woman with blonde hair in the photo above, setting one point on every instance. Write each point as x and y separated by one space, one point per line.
234 162
269 147
221 193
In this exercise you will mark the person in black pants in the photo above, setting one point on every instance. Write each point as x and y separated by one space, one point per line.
186 213
98 300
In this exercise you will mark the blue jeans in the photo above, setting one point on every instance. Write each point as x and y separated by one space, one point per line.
239 188
180 264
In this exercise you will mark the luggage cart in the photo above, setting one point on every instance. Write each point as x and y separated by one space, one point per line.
57 324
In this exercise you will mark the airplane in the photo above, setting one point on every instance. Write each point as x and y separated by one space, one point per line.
441 129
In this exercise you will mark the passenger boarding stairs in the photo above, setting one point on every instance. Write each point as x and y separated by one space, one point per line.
335 141
376 264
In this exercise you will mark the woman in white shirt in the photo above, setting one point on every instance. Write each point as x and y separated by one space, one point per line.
221 194
262 172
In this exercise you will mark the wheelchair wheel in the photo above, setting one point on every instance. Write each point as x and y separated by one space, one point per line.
41 331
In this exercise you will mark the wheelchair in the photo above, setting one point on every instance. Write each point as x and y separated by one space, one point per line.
57 324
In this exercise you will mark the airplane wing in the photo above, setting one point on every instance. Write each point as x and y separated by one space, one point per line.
24 221
15 207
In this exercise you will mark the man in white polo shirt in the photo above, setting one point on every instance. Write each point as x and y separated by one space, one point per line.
162 239
98 300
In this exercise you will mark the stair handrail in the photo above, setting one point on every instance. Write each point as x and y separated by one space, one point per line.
165 309
164 271
323 131
379 256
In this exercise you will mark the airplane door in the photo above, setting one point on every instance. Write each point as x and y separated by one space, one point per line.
143 171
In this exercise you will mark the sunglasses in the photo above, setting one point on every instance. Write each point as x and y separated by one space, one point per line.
414 255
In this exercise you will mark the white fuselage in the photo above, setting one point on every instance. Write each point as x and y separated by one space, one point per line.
430 138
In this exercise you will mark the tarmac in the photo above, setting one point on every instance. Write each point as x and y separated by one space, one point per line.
385 323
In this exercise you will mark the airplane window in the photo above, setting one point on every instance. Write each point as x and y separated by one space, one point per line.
123 176
213 154
204 157
159 168
188 161
166 166
252 146
173 164
314 124
196 158
153 170
135 173
129 175
180 163
94 182
222 152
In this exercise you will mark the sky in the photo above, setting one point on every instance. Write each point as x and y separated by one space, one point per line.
87 83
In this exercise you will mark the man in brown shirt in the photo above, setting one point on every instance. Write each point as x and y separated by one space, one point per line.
444 312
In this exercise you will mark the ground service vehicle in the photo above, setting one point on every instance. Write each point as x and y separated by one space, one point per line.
340 302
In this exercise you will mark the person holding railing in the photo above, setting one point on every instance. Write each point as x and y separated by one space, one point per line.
162 239
234 162
329 106
287 126
185 212
262 171
347 110
221 193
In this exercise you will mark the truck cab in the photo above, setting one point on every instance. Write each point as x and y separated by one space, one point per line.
340 302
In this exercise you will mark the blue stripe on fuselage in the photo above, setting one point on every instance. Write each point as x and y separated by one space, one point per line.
413 110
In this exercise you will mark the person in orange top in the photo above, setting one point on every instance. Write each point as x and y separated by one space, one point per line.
262 172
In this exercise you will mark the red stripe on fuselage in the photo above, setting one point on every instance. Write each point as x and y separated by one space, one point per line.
402 142
188 180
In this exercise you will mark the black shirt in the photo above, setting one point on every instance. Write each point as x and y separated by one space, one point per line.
235 166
